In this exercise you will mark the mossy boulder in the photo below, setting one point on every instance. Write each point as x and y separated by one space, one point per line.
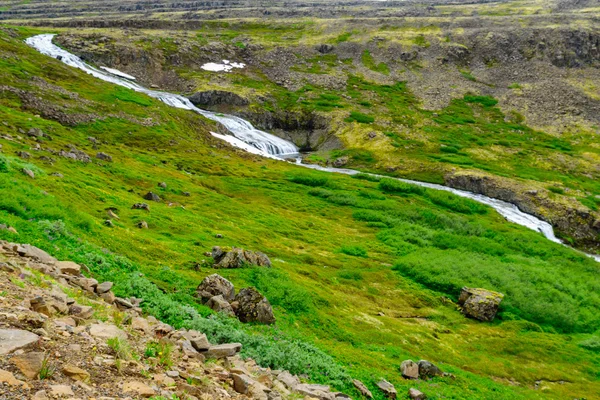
481 304
251 306
237 258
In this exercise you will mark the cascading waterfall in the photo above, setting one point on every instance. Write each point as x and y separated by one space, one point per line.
247 137
240 128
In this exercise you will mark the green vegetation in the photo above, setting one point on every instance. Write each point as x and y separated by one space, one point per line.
369 62
344 249
361 118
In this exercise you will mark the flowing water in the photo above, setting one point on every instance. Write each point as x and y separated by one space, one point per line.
248 138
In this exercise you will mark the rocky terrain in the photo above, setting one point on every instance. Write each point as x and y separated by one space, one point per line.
63 335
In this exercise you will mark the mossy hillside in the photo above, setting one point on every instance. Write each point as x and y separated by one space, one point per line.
323 296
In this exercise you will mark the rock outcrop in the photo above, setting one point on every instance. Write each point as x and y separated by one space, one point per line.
211 98
480 304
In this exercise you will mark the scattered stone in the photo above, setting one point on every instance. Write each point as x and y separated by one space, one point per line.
111 214
219 236
30 364
480 304
152 196
409 369
416 394
215 285
362 389
81 312
187 194
24 155
289 380
140 324
40 395
321 392
162 185
223 350
57 174
237 258
200 342
219 304
69 268
76 373
8 378
142 225
387 388
428 370
139 388
35 132
109 223
123 304
15 339
140 206
61 391
253 307
104 287
104 157
38 304
340 162
108 297
29 173
106 331
172 374
242 383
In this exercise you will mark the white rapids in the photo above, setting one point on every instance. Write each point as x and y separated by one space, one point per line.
248 138
240 128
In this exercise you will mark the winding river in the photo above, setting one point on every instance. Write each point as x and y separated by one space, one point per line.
245 136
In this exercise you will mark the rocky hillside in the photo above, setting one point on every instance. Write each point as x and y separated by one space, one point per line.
63 335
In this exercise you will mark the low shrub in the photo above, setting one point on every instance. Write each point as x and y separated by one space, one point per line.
399 187
355 251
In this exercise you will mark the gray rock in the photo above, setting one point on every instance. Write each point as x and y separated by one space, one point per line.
140 206
142 225
104 157
416 394
104 287
15 339
200 342
362 388
409 369
321 392
237 258
428 370
215 285
27 250
253 307
152 196
480 304
219 304
290 381
223 350
387 388
162 185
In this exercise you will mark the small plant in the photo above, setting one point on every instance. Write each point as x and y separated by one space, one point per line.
121 349
591 344
17 282
556 189
160 350
47 370
118 318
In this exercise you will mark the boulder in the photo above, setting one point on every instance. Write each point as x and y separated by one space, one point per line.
140 324
152 196
15 339
480 304
409 369
290 381
428 370
223 350
200 342
30 364
27 250
104 287
215 285
104 157
237 258
8 378
416 394
219 304
162 185
142 225
362 389
242 383
325 48
69 268
82 312
253 307
387 388
61 391
321 392
140 206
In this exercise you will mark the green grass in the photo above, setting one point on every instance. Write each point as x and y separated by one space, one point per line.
344 249
369 62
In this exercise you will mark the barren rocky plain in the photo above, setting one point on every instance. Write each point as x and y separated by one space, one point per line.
263 279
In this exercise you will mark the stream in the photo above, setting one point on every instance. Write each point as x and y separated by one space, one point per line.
245 136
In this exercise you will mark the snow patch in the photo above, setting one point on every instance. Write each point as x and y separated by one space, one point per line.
225 66
118 73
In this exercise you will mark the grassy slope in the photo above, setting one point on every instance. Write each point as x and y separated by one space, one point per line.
470 133
322 294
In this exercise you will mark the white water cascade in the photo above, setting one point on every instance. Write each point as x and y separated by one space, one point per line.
248 138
